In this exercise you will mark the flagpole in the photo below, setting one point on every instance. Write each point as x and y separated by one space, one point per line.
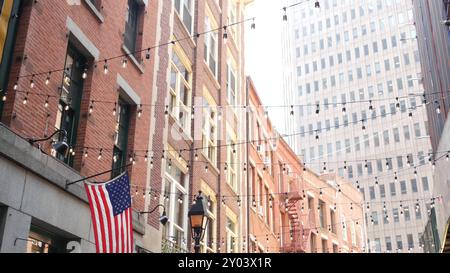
95 175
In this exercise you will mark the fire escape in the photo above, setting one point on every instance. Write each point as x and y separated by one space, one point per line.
298 231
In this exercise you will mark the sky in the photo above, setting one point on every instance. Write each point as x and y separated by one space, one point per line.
263 53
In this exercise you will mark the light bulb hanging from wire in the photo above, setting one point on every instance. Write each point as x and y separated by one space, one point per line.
47 80
105 67
84 75
32 82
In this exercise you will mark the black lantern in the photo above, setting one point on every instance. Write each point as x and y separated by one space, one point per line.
198 220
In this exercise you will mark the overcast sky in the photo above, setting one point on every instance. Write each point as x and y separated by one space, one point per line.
263 52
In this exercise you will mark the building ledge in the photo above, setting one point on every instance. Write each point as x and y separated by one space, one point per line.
21 152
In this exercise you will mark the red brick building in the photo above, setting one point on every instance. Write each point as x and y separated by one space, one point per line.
292 209
201 82
61 76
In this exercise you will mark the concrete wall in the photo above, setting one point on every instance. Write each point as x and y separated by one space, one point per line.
33 190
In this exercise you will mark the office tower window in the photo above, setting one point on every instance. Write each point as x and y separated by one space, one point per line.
388 243
399 241
407 214
403 187
395 215
425 186
414 185
382 191
392 188
410 240
372 193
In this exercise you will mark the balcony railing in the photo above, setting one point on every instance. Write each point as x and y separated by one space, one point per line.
168 246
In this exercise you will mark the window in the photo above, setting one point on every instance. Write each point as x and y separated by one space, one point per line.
211 45
395 215
386 137
407 214
68 115
374 217
96 3
43 241
388 243
392 188
233 11
231 161
403 187
180 89
185 9
406 132
209 129
417 129
132 22
382 191
425 184
324 246
372 193
414 185
232 84
344 228
121 137
333 221
398 239
231 231
410 240
322 214
175 187
418 213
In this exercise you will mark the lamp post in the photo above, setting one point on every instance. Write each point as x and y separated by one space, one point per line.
198 221
163 218
60 146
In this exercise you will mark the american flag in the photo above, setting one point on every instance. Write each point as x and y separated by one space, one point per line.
111 215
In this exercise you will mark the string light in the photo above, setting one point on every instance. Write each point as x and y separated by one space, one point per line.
84 75
225 35
46 102
344 109
91 107
139 112
124 63
292 110
147 55
25 99
285 14
16 84
100 154
47 80
32 82
253 25
4 96
105 67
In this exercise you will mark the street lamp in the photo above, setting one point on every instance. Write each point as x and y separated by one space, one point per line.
60 146
163 218
198 220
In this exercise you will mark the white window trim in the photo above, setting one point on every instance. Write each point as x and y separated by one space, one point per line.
179 104
181 14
